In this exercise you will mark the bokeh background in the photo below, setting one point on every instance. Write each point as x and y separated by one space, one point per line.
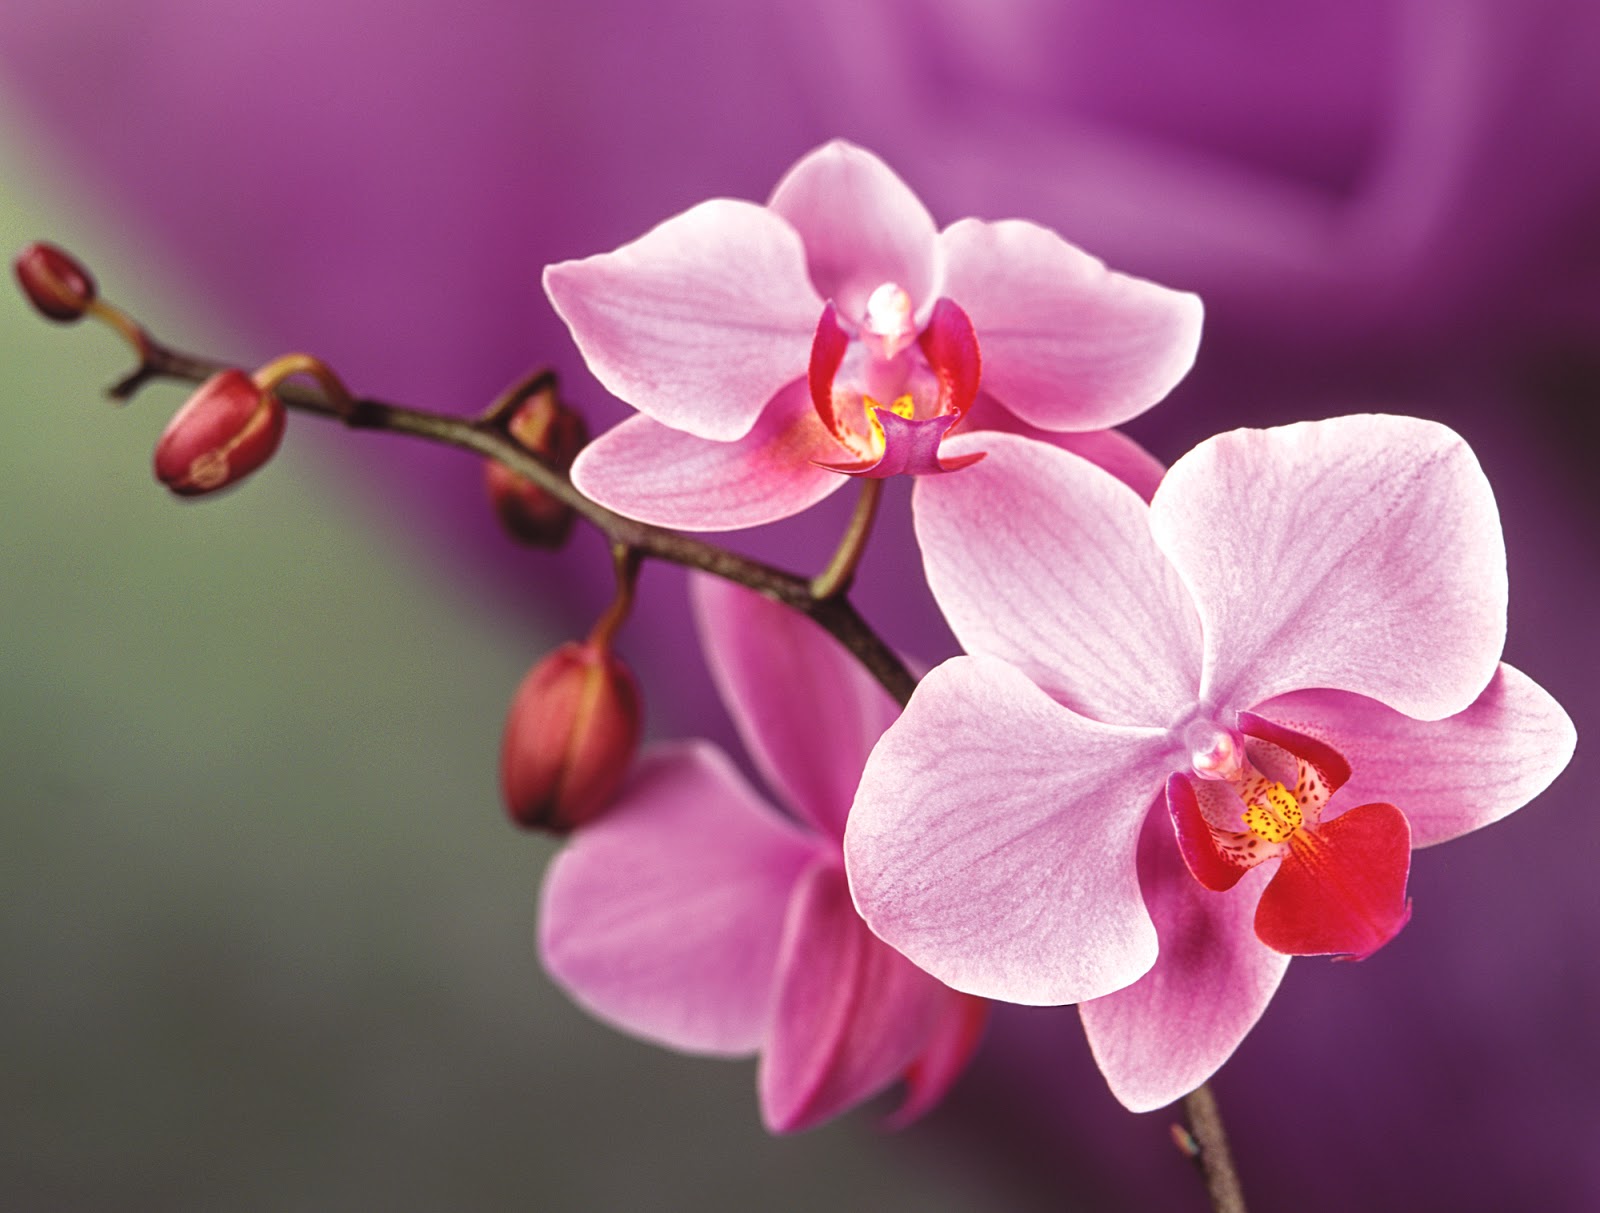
267 942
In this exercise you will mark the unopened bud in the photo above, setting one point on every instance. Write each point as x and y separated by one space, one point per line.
55 282
570 736
549 429
226 430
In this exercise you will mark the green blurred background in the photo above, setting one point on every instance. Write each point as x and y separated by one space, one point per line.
267 939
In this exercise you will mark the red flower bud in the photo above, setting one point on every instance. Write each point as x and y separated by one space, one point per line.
570 736
547 428
55 282
225 431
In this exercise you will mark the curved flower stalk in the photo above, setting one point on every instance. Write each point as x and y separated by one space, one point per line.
696 915
835 330
1193 737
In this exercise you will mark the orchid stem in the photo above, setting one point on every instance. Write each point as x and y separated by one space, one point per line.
841 570
627 562
487 436
1207 1146
270 378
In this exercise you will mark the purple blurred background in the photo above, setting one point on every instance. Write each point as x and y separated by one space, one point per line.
1386 206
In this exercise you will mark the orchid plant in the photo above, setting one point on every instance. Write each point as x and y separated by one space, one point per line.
1204 714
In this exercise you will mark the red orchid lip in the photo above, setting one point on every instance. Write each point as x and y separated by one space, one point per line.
1341 883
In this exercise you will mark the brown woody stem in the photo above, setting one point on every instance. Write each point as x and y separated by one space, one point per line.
486 436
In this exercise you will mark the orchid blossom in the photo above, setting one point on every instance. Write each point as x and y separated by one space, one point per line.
696 915
1194 737
835 330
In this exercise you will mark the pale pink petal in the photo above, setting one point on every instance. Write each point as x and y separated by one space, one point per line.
1361 554
806 710
1110 449
862 227
1168 1032
646 471
699 321
1039 557
664 916
850 1015
1447 776
992 840
1067 344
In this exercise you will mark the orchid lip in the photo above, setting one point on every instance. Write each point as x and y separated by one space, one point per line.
888 393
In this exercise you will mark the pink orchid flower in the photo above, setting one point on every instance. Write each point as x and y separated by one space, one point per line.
696 915
1192 737
835 330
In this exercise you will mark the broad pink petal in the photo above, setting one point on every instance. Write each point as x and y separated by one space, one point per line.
992 840
805 709
955 1038
850 1016
1447 776
1361 554
1067 344
665 916
1342 886
1109 449
646 471
1168 1032
1039 557
699 321
862 227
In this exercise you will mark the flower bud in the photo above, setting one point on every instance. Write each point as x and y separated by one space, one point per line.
547 428
570 736
55 282
226 430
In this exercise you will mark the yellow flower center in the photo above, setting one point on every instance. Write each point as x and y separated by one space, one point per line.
1273 815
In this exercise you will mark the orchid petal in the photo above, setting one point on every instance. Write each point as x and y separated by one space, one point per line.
1067 343
805 709
646 471
1168 1032
665 915
1362 554
1109 449
699 321
992 840
1042 559
1449 776
850 1016
1342 887
955 1038
862 227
